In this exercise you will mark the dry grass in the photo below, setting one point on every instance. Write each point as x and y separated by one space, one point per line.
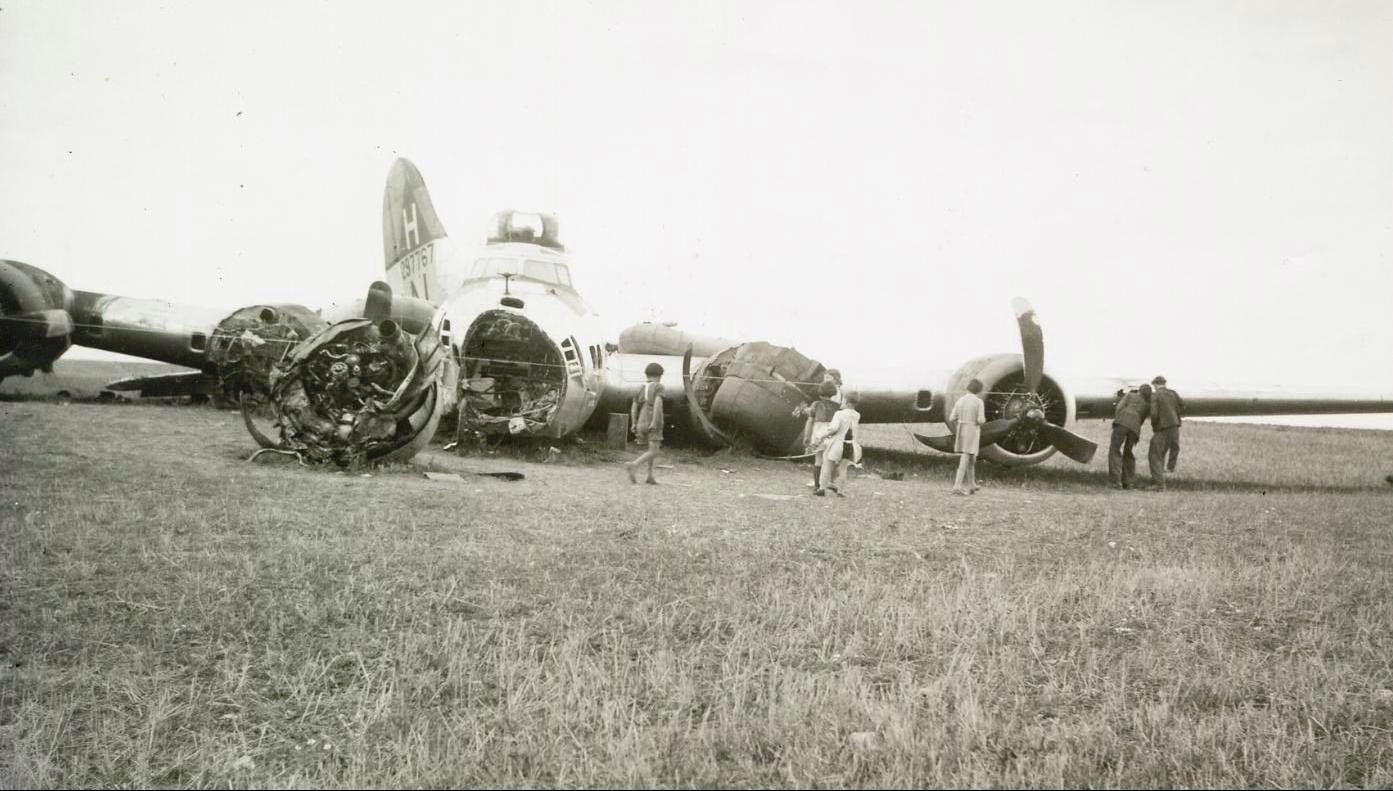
173 616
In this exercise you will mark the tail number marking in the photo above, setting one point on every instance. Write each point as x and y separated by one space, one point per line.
415 269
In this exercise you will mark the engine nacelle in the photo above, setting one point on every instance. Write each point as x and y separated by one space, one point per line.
35 326
1005 395
752 389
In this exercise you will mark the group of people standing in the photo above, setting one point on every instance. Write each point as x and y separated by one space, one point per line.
830 432
1164 407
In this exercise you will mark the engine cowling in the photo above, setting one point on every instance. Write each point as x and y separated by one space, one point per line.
35 326
751 390
1006 396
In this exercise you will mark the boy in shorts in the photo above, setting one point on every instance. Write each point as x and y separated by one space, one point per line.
646 416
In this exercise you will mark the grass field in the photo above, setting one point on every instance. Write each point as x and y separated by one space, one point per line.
174 616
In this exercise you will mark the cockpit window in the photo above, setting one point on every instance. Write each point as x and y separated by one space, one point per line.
545 271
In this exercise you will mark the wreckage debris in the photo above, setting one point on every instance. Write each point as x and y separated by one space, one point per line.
247 345
358 391
514 377
750 391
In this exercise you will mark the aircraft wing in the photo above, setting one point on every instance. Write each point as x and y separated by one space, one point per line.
1095 399
753 390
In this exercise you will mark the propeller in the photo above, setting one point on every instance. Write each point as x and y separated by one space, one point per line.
1032 343
1030 421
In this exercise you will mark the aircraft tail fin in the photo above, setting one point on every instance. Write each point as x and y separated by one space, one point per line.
412 236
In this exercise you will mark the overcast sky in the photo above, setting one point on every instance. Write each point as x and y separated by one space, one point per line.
1200 189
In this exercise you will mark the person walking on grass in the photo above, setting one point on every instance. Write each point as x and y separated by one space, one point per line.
1166 407
819 414
838 446
969 413
646 416
1127 419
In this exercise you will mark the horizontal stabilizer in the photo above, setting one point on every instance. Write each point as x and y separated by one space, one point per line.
182 383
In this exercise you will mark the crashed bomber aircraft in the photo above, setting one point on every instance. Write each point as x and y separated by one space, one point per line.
510 345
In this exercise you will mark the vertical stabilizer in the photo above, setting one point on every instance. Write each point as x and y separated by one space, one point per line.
412 235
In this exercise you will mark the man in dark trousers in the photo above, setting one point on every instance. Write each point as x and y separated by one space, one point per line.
1166 407
1127 418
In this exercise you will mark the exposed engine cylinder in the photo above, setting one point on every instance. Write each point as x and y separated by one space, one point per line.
1006 396
35 326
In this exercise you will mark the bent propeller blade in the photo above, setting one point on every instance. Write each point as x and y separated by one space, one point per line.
994 431
942 444
1070 444
1032 342
689 391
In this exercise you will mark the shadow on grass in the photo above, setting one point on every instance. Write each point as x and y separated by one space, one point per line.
885 459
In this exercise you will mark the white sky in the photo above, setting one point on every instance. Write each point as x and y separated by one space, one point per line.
1202 189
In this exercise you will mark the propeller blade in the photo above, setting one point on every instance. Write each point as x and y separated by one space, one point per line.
942 444
1070 444
713 435
996 430
37 325
1032 342
992 431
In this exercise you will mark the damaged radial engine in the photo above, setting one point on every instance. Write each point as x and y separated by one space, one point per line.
740 391
356 391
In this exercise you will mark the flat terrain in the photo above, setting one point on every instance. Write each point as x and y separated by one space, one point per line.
174 616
